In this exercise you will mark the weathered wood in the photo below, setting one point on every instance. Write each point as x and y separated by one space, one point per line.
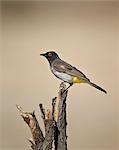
36 131
48 142
54 123
62 123
56 132
48 124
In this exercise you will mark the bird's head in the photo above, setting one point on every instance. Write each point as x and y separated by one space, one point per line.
50 56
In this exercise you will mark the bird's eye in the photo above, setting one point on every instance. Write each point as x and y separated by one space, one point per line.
49 54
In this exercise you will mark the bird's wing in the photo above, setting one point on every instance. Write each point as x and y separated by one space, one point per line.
64 67
61 66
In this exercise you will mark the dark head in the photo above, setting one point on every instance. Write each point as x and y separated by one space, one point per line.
51 56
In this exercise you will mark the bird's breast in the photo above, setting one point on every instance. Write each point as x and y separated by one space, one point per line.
63 76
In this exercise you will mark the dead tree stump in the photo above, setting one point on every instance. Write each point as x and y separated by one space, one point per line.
54 123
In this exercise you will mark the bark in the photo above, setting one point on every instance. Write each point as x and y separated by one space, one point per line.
54 123
48 124
37 134
62 123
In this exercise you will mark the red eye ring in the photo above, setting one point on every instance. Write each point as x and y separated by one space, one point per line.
49 54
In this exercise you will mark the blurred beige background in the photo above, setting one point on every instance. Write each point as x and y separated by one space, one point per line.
83 33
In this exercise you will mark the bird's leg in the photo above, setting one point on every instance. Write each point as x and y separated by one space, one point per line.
62 84
70 84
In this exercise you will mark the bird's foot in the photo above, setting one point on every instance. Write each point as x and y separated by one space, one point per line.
62 86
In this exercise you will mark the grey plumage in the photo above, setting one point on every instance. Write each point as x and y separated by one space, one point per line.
67 72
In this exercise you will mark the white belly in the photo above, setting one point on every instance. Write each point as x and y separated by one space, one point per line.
63 76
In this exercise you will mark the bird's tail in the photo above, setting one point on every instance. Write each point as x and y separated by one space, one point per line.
97 87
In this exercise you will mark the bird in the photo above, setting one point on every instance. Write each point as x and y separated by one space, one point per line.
66 72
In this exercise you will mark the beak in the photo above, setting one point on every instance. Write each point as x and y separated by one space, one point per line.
43 55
